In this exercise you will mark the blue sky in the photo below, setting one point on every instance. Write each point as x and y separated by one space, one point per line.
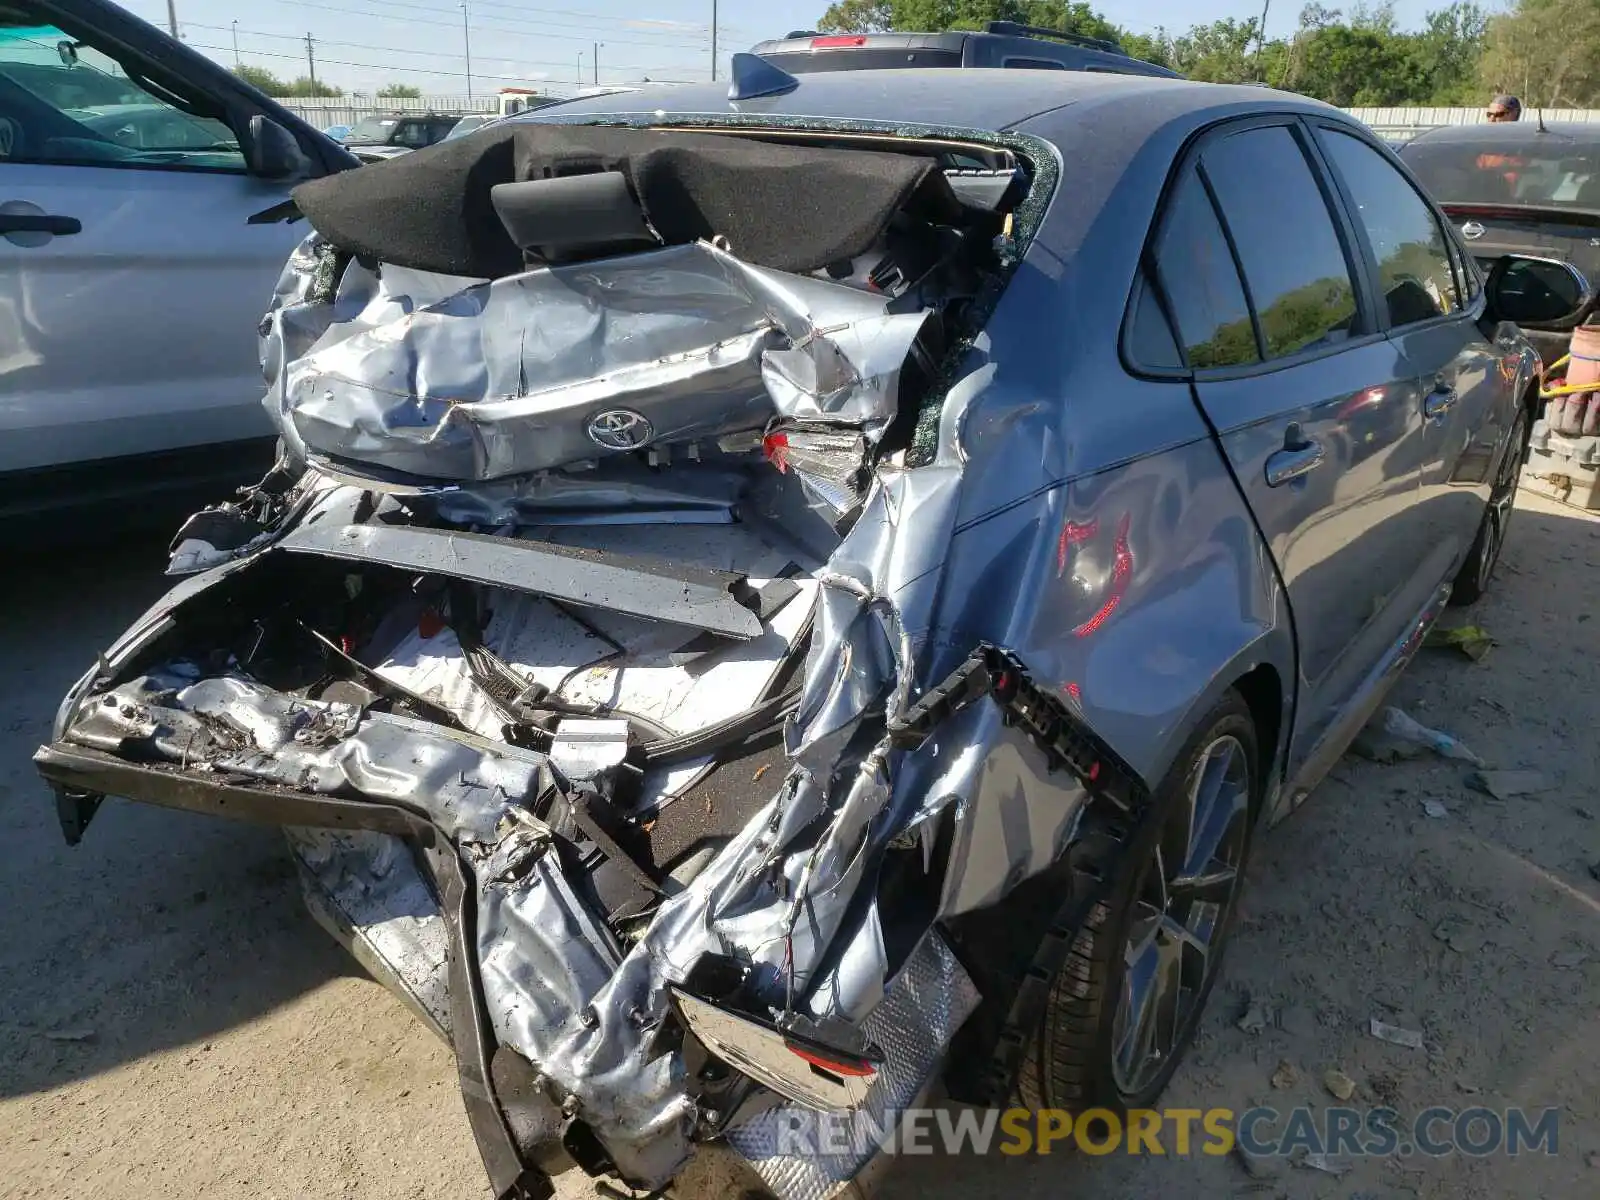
362 44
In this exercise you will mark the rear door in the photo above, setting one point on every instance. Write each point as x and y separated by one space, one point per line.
1464 392
131 281
1312 405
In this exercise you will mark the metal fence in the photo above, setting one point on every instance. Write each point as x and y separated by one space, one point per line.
347 110
1398 123
1402 123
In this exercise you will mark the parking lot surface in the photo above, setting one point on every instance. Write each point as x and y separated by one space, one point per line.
172 1024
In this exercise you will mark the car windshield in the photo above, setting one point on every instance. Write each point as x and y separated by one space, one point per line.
465 126
371 131
1564 173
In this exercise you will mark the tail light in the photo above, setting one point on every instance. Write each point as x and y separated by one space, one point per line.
837 43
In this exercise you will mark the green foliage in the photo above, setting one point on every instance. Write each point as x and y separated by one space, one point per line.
1546 51
307 87
269 83
399 91
265 80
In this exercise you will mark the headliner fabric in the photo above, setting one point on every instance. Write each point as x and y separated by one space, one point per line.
790 208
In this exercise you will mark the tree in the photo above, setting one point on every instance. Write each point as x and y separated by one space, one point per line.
307 87
1547 52
262 79
399 91
857 16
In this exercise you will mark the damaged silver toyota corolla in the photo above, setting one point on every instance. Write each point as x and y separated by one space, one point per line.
767 611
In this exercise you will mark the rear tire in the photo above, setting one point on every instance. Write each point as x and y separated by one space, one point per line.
1472 581
1139 954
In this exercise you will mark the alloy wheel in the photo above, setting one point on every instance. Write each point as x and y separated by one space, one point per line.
1183 903
1501 500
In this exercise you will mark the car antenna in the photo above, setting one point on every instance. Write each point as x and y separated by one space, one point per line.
1539 112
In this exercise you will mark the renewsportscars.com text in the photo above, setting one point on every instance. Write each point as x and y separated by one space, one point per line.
1260 1131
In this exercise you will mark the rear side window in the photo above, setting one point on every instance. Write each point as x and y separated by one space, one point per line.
1294 266
1201 282
1411 249
1035 64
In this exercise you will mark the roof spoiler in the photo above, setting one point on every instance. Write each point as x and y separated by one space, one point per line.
754 77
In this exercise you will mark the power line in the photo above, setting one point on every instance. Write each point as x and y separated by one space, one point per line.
439 24
292 37
335 62
526 29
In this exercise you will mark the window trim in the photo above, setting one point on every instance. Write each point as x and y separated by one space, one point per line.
1188 158
1320 125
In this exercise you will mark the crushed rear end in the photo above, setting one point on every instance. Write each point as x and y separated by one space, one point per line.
582 638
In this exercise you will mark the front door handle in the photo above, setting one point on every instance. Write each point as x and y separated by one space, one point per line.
39 223
1439 401
1292 462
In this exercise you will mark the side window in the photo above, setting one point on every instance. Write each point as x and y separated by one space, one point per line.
1467 285
1201 282
1412 251
64 101
1034 64
1298 278
1150 340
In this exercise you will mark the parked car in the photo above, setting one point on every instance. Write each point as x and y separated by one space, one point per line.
1521 187
743 658
377 139
470 123
999 44
131 269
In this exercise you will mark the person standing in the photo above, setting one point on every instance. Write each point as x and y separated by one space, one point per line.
1501 110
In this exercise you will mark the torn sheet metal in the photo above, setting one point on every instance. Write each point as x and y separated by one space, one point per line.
559 365
924 1006
233 724
365 888
629 584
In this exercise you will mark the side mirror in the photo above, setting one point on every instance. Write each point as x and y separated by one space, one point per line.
1536 291
271 151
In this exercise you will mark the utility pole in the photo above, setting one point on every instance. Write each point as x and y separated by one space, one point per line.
236 43
713 41
466 41
311 59
172 17
580 68
1261 34
596 63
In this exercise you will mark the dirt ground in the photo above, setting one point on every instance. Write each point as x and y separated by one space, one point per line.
172 1024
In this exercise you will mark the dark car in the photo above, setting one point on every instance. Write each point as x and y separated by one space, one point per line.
1526 187
998 44
374 139
767 603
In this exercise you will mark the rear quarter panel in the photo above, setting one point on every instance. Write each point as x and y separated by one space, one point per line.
1100 533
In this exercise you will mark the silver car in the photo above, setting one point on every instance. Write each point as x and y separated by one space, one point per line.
134 259
772 599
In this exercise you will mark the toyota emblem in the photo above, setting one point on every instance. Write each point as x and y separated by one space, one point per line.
620 429
1472 231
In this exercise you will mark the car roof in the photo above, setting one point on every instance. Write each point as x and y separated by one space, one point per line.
1511 133
994 99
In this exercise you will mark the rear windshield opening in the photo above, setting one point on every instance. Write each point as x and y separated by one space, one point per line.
1560 176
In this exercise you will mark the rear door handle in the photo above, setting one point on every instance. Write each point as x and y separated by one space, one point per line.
1439 401
1291 463
39 223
